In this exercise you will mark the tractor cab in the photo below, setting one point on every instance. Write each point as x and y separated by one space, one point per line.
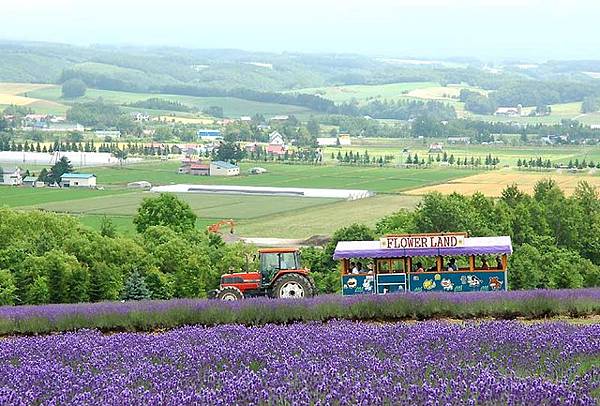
280 275
273 261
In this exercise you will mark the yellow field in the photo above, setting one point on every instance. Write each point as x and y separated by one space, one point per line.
492 183
450 92
20 88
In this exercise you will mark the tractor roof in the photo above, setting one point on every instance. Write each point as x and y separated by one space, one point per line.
277 250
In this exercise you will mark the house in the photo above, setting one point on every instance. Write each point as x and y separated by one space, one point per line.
555 139
275 149
251 147
276 139
509 111
246 119
436 147
78 180
10 176
29 181
220 168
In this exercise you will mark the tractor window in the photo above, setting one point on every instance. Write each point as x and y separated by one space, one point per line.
288 260
270 261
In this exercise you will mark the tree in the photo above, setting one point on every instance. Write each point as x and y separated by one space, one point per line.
165 210
313 127
73 88
135 288
214 111
107 227
59 169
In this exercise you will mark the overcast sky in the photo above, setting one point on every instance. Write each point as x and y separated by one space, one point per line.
488 29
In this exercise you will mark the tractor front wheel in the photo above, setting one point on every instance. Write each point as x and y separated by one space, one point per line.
292 286
229 293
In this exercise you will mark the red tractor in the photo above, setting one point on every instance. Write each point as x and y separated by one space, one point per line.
280 276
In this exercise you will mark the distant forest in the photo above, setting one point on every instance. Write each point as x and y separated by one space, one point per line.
263 76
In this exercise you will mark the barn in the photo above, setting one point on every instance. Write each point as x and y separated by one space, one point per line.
78 180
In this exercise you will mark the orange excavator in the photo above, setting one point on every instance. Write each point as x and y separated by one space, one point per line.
215 228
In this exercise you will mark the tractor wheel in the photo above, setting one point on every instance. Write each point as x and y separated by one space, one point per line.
292 286
229 293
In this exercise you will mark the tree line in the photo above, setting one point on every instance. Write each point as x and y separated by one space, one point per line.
51 258
556 238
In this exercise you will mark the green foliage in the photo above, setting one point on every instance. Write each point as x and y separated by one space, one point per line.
165 210
135 288
107 227
58 170
101 115
73 88
8 289
157 103
555 237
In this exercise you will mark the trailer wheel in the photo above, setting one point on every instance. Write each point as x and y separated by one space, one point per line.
292 286
229 293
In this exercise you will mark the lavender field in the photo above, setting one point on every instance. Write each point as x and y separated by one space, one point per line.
161 315
340 362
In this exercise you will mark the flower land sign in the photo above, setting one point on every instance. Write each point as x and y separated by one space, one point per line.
422 241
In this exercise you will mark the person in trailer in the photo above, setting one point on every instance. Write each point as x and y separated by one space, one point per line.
484 263
452 266
353 268
419 267
499 262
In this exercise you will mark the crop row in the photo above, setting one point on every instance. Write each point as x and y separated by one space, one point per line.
160 315
340 362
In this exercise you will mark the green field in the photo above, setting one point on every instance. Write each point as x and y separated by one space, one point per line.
387 179
232 107
508 154
265 216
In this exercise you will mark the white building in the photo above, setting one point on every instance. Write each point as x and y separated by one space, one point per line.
459 140
276 139
10 176
221 168
509 111
78 180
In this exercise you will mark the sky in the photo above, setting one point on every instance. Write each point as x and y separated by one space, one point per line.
526 30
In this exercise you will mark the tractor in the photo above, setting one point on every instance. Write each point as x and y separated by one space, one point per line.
280 276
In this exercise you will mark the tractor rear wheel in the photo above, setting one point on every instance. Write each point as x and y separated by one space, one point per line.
292 286
229 293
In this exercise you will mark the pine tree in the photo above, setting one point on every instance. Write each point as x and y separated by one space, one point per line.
135 288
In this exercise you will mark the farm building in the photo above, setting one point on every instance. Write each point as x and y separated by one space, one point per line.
436 147
509 111
107 133
459 140
279 118
221 168
276 144
10 176
78 180
31 181
342 140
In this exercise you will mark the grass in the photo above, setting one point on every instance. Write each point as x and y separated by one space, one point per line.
27 196
393 91
232 107
378 179
160 315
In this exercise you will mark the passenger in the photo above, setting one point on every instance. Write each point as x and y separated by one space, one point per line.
484 263
432 268
452 266
499 262
359 267
369 268
353 268
419 267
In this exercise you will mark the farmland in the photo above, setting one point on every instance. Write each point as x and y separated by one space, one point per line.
492 183
256 215
396 362
232 107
